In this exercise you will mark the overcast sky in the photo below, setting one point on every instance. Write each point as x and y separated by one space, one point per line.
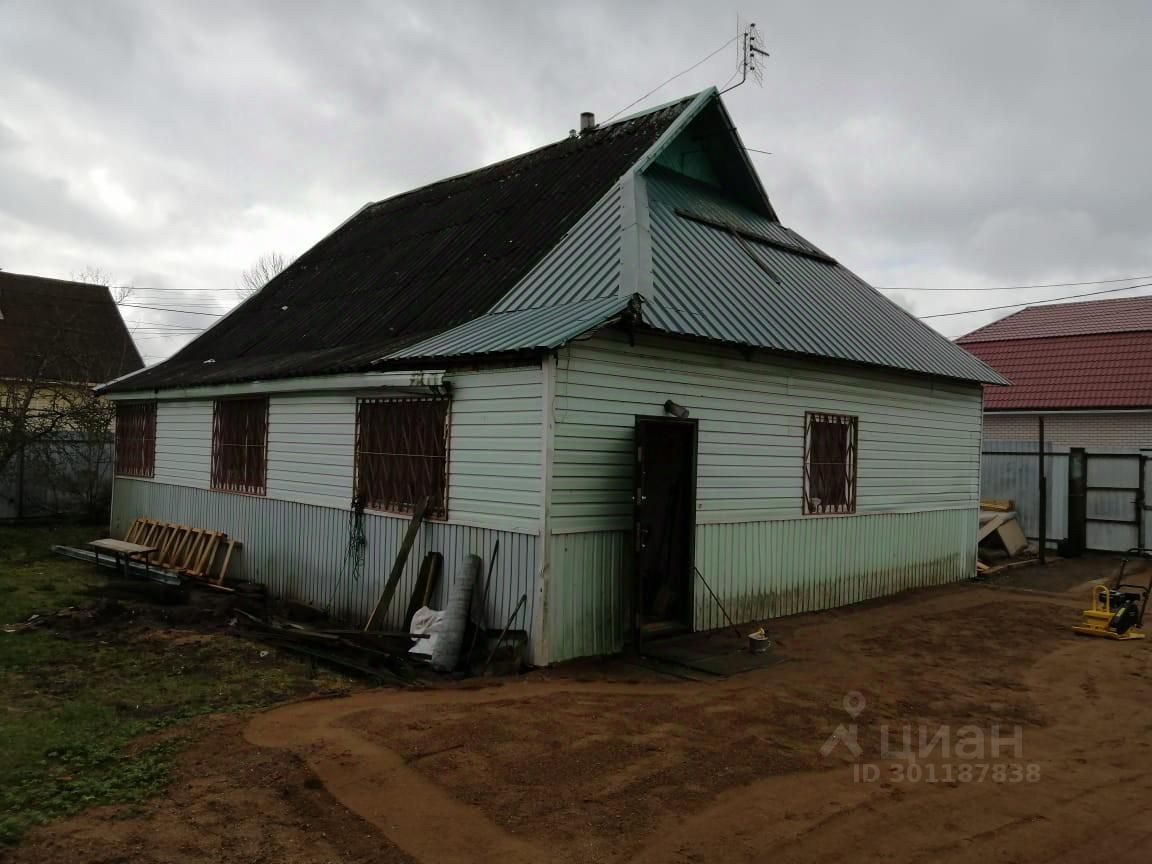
926 145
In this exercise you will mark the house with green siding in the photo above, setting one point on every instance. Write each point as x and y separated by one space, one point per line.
608 354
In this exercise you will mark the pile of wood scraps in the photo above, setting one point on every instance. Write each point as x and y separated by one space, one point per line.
377 655
999 536
196 553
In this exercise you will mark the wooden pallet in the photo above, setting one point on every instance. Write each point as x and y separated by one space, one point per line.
191 551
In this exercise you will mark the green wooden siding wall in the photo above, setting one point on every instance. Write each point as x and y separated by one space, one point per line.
918 483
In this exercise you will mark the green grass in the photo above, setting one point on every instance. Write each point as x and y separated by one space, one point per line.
71 703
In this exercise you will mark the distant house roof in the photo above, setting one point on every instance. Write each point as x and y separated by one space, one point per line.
1123 315
1072 355
659 219
63 331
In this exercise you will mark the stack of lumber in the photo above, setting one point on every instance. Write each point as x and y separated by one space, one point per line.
377 655
192 552
998 522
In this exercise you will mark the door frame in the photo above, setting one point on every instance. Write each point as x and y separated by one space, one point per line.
638 585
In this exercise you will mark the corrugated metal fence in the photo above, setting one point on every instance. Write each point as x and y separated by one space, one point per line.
64 475
1116 490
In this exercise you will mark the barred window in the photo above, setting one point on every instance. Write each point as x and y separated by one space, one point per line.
135 439
240 445
829 463
402 454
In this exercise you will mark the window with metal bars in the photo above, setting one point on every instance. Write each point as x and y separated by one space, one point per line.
402 454
135 439
240 445
829 463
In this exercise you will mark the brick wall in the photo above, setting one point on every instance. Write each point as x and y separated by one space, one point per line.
1126 429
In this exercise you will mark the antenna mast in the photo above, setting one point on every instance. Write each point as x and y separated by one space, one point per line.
750 64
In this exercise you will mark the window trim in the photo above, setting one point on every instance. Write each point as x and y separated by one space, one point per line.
853 423
151 454
213 484
434 514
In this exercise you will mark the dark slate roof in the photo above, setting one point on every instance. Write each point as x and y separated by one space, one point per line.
411 267
63 331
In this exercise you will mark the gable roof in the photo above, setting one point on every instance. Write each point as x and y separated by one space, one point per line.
414 265
512 258
52 329
1122 315
1095 354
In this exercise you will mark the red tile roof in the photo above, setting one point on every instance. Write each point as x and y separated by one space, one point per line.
1127 314
1104 370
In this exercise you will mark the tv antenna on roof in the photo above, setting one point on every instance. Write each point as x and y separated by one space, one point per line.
750 61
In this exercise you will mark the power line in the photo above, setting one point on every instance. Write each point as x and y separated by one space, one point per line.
1021 287
673 78
1035 302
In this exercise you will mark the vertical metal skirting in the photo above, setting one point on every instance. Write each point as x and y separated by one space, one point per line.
783 567
588 604
760 570
300 551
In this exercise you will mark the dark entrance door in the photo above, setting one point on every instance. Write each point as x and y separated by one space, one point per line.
665 522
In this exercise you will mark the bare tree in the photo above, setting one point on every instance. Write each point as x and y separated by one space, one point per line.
55 432
266 268
98 276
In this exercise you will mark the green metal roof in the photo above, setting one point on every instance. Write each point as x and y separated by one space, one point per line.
723 272
518 330
690 231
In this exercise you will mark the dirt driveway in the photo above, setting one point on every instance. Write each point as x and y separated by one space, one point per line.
579 765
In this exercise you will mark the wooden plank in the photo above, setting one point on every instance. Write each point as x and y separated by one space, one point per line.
184 547
997 504
134 531
173 535
990 526
121 546
1012 537
398 565
206 555
433 579
227 558
420 589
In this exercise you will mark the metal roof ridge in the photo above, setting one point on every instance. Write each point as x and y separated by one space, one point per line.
644 113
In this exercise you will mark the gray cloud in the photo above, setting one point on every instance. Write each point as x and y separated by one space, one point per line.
926 145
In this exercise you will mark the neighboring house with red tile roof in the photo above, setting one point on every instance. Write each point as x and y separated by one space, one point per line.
1086 366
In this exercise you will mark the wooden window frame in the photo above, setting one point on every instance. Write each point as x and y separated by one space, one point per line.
143 445
814 506
220 482
379 500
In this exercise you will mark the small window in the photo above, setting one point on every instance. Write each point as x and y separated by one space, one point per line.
135 439
240 445
829 463
402 454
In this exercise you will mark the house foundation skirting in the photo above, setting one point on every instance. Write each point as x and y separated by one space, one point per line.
759 570
301 551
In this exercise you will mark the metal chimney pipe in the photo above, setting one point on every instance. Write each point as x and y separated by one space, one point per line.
587 121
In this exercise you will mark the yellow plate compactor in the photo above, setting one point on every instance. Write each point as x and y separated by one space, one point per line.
1118 610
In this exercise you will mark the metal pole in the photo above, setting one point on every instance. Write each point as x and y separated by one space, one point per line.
1043 495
